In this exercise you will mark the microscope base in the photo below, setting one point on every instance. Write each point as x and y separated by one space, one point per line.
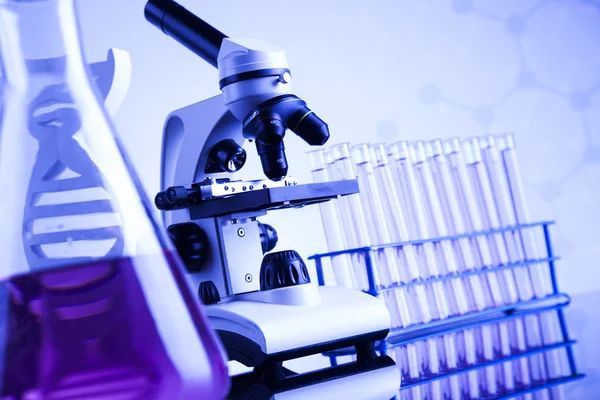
375 379
312 319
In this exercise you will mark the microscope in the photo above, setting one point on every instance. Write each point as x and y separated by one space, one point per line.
262 304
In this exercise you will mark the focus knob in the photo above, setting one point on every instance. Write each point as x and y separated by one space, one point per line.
268 237
282 269
191 243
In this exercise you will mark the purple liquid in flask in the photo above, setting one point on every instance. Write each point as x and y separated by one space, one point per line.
93 300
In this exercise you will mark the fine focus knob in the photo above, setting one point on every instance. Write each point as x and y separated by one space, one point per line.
282 269
208 293
268 237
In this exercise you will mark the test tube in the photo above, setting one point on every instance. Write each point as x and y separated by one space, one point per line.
503 254
377 233
396 218
501 193
354 216
436 227
412 203
500 186
540 273
461 290
488 336
344 276
474 222
350 215
372 196
352 227
447 215
443 299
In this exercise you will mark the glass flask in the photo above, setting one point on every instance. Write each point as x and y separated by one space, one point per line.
93 299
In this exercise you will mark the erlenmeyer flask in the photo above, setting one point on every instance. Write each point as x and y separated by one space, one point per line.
93 301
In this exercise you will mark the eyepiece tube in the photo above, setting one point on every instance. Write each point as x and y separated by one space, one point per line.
189 30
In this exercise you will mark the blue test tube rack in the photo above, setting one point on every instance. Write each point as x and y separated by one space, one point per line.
553 302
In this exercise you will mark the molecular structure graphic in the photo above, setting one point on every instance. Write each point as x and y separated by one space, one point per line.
575 100
579 100
526 79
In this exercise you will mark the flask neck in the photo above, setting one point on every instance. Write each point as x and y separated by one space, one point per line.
39 37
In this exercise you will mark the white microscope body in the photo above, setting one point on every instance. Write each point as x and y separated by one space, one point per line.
263 306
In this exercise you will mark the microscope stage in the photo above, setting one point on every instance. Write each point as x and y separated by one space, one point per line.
273 198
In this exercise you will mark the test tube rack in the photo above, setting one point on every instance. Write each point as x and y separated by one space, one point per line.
553 302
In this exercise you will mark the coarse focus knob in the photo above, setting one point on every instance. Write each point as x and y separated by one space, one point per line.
208 293
282 269
191 243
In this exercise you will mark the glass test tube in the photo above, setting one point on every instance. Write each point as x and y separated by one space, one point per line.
501 194
436 227
372 196
540 273
474 218
417 228
377 233
352 227
483 190
356 225
396 217
495 165
415 264
446 256
412 203
488 336
344 276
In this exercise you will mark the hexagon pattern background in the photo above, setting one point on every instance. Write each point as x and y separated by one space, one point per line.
385 70
541 81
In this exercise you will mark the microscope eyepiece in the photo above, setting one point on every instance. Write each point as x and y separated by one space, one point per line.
186 28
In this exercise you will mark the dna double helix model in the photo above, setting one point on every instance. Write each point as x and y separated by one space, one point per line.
69 216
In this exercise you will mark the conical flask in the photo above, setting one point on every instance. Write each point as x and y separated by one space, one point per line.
93 300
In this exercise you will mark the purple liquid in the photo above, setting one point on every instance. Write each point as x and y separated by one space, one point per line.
87 331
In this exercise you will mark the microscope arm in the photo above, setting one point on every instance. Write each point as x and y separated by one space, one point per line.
189 135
